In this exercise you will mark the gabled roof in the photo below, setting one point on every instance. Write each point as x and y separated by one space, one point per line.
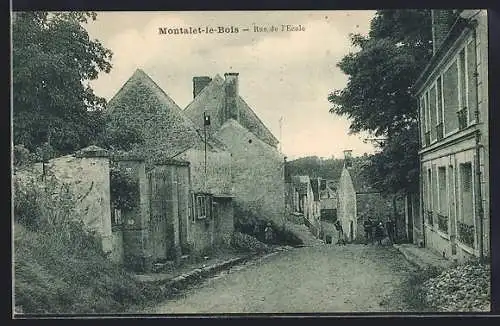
143 106
211 100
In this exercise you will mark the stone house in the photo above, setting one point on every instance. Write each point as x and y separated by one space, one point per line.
347 208
257 166
452 94
185 182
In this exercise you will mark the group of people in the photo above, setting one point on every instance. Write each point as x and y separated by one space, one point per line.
376 231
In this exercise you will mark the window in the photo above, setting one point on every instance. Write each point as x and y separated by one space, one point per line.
462 81
439 111
443 194
439 99
442 217
465 224
116 217
429 190
466 202
471 79
451 188
202 206
323 184
450 97
434 190
431 95
423 116
429 213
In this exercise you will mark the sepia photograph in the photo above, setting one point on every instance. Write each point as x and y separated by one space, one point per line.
247 162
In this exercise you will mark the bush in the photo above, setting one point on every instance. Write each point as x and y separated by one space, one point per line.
22 156
40 204
246 243
124 188
249 222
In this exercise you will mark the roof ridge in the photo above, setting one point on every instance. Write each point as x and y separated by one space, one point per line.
258 119
204 90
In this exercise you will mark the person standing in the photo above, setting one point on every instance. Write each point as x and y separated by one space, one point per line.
268 233
368 226
339 228
389 226
379 233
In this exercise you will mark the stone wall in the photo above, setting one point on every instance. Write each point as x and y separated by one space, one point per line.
257 172
87 175
217 180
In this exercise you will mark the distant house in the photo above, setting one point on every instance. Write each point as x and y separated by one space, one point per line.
305 201
328 202
257 166
346 213
452 93
186 205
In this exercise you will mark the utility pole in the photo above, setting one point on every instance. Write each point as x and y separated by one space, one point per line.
206 122
281 137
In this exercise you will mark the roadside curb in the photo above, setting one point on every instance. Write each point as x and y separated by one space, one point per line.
420 262
189 278
410 257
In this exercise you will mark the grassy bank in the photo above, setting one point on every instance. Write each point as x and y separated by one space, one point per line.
59 266
57 275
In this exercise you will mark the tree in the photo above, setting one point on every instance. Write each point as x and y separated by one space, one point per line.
377 97
53 59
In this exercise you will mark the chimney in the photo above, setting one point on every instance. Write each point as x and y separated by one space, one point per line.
231 96
442 21
199 83
348 158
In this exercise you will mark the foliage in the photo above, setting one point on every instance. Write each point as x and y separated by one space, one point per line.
41 205
466 234
250 223
53 60
119 136
330 169
247 243
313 166
377 97
414 294
124 187
396 167
22 156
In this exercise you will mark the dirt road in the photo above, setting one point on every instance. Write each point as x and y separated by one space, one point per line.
319 278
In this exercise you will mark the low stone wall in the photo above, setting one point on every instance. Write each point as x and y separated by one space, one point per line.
86 173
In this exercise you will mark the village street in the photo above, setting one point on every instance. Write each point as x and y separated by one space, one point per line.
318 278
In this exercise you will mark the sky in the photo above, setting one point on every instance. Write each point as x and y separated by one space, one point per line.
283 74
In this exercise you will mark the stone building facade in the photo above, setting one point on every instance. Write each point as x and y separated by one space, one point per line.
452 93
257 165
